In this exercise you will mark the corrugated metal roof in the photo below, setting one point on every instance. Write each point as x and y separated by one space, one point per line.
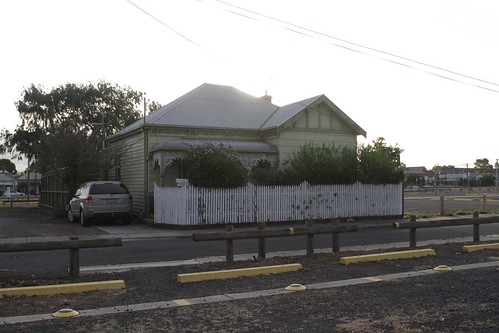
211 106
224 107
284 113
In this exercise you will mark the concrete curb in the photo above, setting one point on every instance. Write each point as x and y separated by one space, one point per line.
235 273
70 288
387 256
473 248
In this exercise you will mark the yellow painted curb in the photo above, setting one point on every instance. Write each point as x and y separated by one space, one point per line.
388 256
473 248
70 288
235 273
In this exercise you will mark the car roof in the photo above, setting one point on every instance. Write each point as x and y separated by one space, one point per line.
102 182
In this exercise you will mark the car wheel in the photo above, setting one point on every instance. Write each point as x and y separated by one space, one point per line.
70 216
83 219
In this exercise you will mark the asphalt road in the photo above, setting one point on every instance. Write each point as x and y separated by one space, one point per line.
144 243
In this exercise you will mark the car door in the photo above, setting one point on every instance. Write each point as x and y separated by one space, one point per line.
75 202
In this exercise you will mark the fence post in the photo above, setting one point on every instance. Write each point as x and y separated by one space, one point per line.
412 232
476 228
442 210
310 239
74 259
484 199
336 237
261 242
229 254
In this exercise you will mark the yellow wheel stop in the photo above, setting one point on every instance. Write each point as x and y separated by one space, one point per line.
295 287
65 313
442 268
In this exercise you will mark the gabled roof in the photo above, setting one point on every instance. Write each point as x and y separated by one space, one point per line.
286 114
224 107
421 170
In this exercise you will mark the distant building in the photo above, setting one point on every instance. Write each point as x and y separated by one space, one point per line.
419 176
6 180
32 181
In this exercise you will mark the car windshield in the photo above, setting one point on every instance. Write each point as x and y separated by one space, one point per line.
108 188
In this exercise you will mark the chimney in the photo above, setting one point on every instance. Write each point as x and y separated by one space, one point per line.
266 97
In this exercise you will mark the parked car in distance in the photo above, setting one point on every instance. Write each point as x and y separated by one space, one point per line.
100 199
15 194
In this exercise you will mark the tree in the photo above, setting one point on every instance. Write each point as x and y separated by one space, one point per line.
483 165
214 167
380 164
324 164
67 126
8 166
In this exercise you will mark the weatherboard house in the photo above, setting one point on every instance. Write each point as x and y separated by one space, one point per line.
149 151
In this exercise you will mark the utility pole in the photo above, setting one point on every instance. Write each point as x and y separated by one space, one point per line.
146 164
497 167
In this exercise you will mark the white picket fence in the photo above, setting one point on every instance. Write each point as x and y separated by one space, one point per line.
189 205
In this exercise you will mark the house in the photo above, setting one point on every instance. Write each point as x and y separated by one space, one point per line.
418 176
7 180
456 176
29 183
149 151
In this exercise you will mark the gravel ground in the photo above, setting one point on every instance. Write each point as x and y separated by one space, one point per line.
456 301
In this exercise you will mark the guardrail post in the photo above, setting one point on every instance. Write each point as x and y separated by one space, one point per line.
476 228
310 239
229 254
442 210
412 232
74 260
336 238
484 203
261 242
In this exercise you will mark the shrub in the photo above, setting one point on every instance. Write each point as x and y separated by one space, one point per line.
324 164
214 167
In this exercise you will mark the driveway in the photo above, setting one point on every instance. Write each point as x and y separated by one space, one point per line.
29 222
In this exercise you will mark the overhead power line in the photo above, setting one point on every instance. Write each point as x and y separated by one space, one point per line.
167 26
359 48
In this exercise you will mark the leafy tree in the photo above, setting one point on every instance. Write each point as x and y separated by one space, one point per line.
437 168
483 165
324 164
153 106
214 167
380 164
67 126
8 166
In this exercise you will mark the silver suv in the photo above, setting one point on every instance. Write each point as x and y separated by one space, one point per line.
100 199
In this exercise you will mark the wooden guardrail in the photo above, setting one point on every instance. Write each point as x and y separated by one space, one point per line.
73 244
475 221
261 233
13 201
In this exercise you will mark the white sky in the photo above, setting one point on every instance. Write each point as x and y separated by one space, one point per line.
188 42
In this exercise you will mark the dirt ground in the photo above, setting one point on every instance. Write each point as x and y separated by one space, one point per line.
455 301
